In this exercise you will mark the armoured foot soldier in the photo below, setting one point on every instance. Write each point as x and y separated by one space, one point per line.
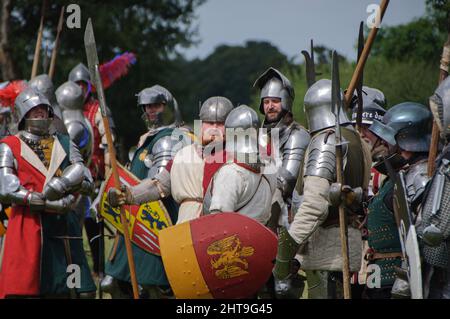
188 175
277 98
406 130
240 185
374 104
70 98
315 227
39 174
155 150
99 159
435 228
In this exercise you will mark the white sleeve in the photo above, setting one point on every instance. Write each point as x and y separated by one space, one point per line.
313 211
227 189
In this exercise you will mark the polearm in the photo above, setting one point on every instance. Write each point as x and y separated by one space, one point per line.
310 66
37 50
445 60
93 63
364 55
361 78
336 104
51 70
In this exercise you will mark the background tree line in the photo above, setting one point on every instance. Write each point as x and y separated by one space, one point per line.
404 62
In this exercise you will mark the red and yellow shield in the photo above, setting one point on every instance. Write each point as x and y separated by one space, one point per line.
145 221
226 255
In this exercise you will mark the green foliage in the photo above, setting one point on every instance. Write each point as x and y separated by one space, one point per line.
418 40
229 71
404 62
298 79
402 81
150 28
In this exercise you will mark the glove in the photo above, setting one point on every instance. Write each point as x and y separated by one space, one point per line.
87 188
120 197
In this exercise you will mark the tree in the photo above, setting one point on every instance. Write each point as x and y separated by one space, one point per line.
229 71
150 28
8 69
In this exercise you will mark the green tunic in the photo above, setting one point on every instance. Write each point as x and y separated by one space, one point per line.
383 233
149 267
53 262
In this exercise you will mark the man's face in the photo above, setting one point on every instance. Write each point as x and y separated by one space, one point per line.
272 108
378 147
367 135
38 112
152 110
212 131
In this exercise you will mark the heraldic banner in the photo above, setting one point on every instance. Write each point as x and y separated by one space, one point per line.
145 221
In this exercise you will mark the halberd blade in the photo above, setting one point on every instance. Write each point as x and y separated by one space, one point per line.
91 48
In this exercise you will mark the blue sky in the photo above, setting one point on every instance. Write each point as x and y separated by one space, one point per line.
290 24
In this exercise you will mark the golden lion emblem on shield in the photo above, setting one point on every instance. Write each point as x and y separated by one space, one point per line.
228 258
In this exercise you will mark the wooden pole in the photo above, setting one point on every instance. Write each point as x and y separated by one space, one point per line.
37 50
51 70
364 55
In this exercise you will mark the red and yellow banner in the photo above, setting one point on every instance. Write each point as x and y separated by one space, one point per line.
226 255
145 221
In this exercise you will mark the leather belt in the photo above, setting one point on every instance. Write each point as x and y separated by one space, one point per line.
373 255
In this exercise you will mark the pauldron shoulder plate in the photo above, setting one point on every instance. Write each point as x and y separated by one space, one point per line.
322 156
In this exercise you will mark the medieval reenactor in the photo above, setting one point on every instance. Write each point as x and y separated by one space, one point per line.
315 227
374 104
40 174
155 149
435 222
240 185
70 99
99 158
187 177
406 130
276 102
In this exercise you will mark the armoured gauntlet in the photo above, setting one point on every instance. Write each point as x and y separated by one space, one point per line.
352 198
37 202
120 197
287 248
70 180
62 206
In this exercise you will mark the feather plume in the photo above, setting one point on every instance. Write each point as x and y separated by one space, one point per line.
9 93
116 68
